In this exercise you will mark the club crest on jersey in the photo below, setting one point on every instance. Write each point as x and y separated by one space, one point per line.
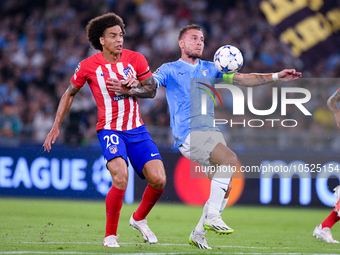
113 149
204 72
127 70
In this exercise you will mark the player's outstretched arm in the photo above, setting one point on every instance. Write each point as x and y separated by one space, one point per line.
332 104
63 107
143 89
256 79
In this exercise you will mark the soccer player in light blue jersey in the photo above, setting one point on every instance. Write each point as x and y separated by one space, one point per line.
194 132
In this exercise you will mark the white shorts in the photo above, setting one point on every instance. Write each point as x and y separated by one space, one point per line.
199 145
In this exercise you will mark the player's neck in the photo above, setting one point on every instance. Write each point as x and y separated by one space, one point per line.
111 57
191 60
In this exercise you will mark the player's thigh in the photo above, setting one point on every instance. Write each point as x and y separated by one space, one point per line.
140 153
199 145
114 152
154 173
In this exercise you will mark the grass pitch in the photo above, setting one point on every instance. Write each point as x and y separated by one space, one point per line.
32 226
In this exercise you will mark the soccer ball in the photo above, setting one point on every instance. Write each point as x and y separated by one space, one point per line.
228 59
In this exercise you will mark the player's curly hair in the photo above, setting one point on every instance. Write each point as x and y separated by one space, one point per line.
96 27
188 27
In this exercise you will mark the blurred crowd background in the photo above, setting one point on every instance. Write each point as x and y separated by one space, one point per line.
42 42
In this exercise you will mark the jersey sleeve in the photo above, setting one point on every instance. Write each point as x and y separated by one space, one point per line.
143 69
160 76
78 79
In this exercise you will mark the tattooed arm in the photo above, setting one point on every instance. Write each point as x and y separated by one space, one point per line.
256 79
145 88
332 104
133 87
64 105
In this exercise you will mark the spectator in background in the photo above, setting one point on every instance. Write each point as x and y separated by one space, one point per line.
10 125
89 136
322 115
9 91
42 123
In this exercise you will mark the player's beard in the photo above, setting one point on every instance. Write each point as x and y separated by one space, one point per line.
194 55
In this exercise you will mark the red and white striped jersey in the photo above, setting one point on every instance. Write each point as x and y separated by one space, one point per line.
115 111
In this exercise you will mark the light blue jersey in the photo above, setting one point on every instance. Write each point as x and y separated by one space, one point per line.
184 88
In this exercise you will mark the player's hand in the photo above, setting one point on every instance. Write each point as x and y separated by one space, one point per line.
50 139
289 75
117 86
337 119
131 82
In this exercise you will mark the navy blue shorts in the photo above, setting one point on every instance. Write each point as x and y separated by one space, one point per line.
135 144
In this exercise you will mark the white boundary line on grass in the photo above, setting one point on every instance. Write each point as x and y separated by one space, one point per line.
162 244
157 253
179 244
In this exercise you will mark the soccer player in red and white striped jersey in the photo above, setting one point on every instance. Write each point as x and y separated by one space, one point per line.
117 77
323 231
115 111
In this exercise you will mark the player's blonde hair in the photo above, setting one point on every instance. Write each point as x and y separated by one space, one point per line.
96 27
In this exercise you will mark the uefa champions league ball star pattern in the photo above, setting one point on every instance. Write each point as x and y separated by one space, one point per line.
228 59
